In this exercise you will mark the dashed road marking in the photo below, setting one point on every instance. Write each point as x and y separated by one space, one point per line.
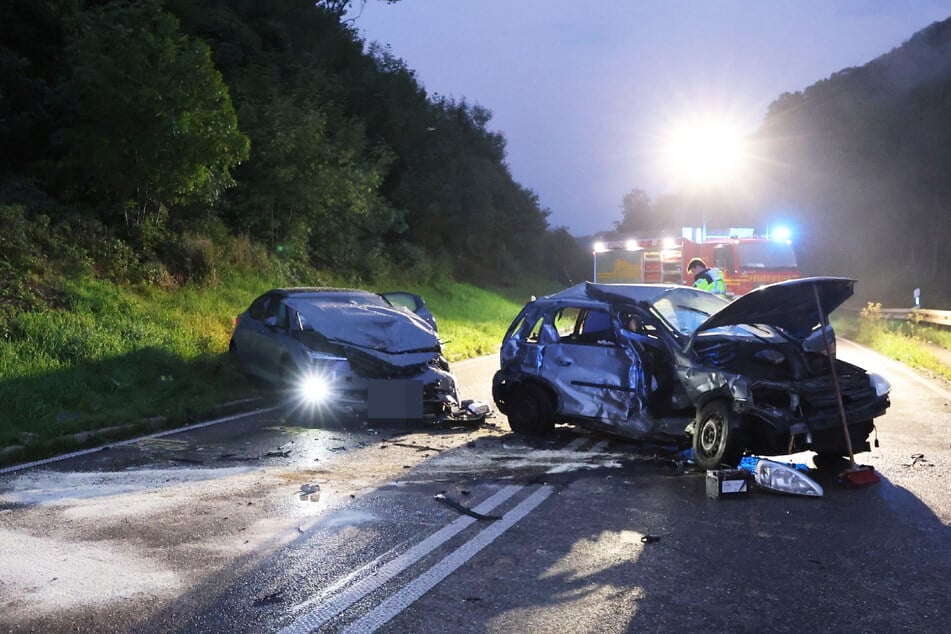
422 584
312 621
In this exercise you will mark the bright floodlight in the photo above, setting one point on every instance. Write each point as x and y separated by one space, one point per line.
706 151
631 245
599 247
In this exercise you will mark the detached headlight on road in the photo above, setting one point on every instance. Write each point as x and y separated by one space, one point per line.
880 383
785 479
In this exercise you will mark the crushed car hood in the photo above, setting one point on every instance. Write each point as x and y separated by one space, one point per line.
393 334
790 305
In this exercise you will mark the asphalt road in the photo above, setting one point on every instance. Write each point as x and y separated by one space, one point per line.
267 523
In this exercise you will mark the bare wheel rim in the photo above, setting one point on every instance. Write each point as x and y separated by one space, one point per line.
712 436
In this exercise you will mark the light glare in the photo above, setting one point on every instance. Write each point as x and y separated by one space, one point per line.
315 389
706 151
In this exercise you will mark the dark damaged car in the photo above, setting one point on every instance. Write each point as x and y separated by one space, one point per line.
347 351
674 364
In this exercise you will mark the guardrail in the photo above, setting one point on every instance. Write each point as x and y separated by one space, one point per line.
940 317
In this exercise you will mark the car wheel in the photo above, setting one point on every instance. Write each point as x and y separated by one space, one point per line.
717 437
530 411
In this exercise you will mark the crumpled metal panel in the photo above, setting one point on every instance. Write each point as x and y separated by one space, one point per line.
396 336
590 386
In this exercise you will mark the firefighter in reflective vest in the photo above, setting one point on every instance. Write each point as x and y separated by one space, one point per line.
706 279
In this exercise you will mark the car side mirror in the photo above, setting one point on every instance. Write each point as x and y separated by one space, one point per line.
271 322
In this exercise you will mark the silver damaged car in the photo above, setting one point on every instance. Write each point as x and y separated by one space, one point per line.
347 351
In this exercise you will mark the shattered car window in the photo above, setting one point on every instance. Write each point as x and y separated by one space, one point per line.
685 309
566 319
595 328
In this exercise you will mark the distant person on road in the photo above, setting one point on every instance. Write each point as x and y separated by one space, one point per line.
706 279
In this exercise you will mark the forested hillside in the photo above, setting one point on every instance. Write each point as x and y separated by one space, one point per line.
151 142
863 159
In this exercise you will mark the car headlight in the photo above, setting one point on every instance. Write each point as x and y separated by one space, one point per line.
315 388
785 479
880 383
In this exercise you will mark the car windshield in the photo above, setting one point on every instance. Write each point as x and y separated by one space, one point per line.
346 297
684 309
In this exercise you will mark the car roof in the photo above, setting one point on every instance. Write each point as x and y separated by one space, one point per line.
317 290
611 293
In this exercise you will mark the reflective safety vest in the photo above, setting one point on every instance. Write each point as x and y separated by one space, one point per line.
711 280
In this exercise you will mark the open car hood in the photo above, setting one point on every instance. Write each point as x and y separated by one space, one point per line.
790 305
395 335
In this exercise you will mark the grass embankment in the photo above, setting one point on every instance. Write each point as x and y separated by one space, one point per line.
911 342
131 359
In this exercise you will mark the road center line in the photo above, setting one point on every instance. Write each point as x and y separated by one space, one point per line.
576 443
599 447
312 621
400 600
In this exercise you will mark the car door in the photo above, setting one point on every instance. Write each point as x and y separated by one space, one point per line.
248 333
589 368
273 338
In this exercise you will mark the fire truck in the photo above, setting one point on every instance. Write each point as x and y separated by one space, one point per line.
747 260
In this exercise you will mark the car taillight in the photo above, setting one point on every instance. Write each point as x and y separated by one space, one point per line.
235 323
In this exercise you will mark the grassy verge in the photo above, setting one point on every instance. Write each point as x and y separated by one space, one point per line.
906 341
130 359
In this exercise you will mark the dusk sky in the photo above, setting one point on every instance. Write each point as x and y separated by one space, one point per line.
586 93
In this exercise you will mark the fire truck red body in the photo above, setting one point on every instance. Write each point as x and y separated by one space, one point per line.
747 262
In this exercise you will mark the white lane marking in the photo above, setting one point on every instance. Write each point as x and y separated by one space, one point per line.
412 591
167 432
599 447
312 621
901 368
576 443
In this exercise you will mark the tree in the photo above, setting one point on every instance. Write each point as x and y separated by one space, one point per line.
149 122
636 213
339 8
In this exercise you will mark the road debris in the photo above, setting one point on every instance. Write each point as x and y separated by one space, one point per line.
465 510
416 447
270 599
309 492
919 460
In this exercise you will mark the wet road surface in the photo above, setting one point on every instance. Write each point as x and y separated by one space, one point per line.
269 524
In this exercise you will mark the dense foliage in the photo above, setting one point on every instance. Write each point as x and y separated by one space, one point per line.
140 138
